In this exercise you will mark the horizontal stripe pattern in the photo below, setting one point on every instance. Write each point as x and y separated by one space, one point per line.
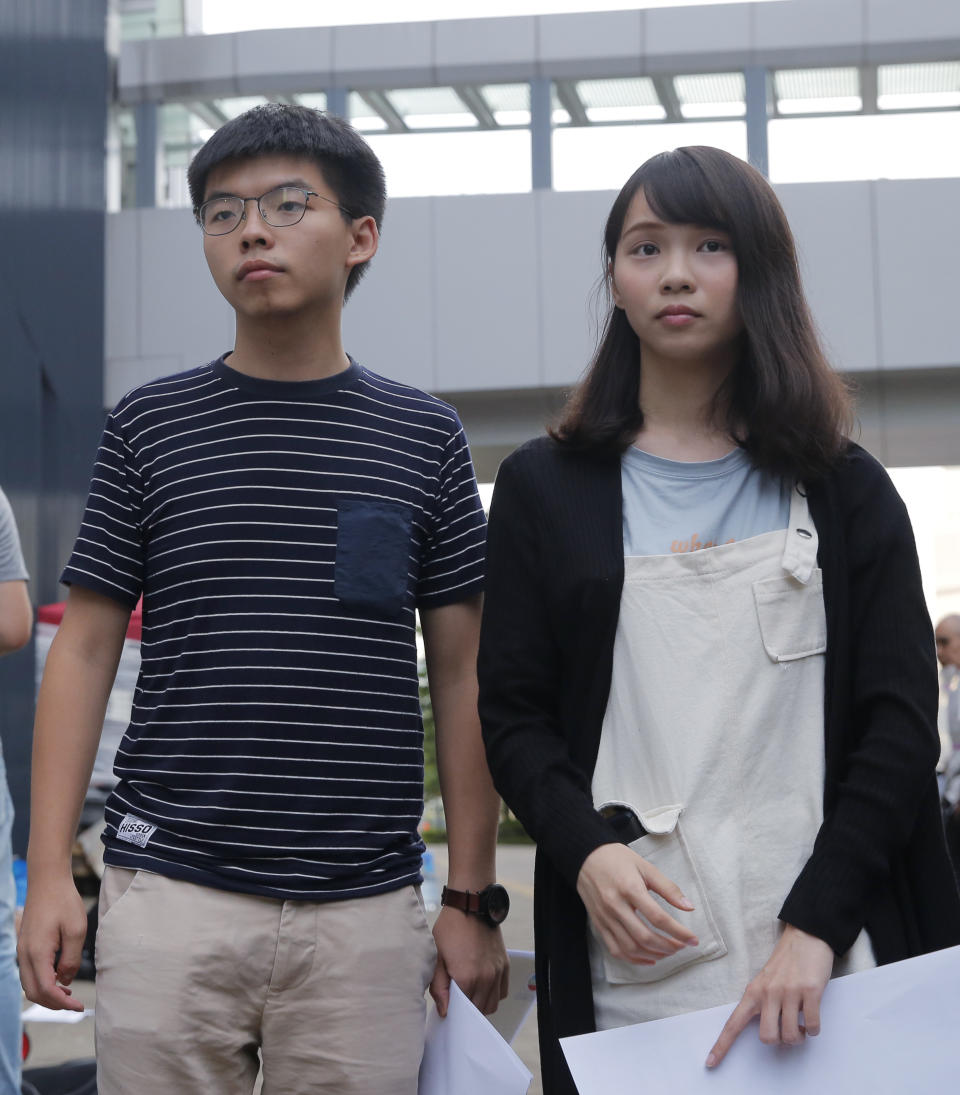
276 741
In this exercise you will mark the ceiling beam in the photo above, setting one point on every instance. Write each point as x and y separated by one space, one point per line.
378 102
209 113
472 98
571 102
663 86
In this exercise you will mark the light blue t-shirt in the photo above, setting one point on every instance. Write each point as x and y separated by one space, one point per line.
12 566
671 506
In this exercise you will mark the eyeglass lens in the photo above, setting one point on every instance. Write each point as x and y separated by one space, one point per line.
281 207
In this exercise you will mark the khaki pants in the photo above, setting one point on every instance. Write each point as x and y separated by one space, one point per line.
192 981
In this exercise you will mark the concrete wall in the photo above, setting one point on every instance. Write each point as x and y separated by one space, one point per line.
494 292
488 299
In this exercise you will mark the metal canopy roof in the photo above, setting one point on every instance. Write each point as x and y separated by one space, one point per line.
623 100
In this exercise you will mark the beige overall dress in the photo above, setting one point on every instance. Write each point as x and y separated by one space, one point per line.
714 736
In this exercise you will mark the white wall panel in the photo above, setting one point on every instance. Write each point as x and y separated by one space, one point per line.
493 292
121 306
392 48
807 23
177 65
571 234
484 49
486 304
896 21
122 374
389 323
834 234
303 57
675 31
181 311
918 226
571 44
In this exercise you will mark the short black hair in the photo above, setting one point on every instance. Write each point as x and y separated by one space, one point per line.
350 166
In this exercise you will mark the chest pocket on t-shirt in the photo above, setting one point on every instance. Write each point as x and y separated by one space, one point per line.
373 555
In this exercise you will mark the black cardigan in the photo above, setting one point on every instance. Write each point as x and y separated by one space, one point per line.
554 579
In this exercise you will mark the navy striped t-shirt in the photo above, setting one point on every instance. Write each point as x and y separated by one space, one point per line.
282 534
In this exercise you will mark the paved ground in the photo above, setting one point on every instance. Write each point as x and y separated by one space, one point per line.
52 1043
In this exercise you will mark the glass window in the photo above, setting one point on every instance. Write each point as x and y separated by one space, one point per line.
480 162
865 146
432 108
235 106
316 100
509 103
932 498
604 157
363 116
817 90
711 95
627 100
918 87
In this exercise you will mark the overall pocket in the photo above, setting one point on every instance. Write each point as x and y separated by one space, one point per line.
793 623
666 848
373 555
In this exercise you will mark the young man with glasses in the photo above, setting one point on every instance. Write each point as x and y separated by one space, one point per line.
283 511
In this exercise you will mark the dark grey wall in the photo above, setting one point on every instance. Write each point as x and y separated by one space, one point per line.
53 102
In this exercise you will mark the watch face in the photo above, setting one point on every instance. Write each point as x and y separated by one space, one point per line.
497 902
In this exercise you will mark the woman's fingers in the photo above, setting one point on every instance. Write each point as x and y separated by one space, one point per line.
633 925
733 1028
771 1011
791 1033
811 1013
665 923
657 881
626 936
792 982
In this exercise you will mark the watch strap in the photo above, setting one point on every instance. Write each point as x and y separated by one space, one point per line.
467 901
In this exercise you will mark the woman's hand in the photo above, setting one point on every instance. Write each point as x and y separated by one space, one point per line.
792 981
615 883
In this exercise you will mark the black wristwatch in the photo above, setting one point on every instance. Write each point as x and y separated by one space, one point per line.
490 904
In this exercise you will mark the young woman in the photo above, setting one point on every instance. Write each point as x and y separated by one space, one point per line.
707 677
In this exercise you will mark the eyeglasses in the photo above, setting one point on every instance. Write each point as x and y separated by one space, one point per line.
280 208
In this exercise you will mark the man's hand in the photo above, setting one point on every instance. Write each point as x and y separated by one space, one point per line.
471 953
80 669
54 919
615 883
792 981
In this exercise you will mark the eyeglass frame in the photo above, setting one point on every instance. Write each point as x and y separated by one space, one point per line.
307 194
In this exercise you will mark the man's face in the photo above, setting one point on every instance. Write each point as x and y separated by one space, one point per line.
948 643
266 271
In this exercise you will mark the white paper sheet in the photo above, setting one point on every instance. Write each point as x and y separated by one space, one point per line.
464 1055
885 1031
37 1013
509 1016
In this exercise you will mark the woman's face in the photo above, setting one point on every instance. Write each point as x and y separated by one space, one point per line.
677 284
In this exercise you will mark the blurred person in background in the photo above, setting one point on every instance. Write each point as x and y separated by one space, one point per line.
948 651
16 620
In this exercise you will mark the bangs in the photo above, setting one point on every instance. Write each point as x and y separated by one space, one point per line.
679 188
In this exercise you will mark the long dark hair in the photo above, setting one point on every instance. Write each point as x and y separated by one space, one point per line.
782 403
